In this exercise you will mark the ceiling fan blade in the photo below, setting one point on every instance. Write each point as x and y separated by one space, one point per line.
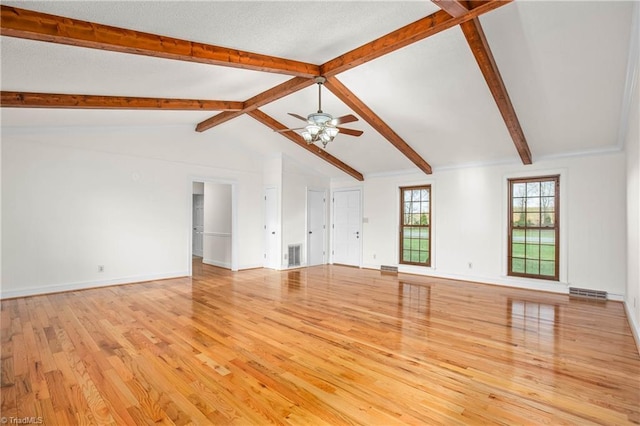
350 132
345 119
297 116
288 130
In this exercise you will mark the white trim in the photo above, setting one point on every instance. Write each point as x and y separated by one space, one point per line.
217 234
87 285
213 262
635 327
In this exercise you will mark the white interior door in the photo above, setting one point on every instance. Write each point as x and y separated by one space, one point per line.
271 229
316 227
347 221
198 224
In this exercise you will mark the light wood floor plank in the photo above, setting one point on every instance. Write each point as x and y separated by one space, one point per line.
323 345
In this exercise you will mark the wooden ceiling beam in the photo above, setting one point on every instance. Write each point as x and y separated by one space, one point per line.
27 24
353 102
454 8
261 99
418 30
476 39
54 100
312 148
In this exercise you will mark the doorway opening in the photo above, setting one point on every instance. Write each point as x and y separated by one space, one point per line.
212 206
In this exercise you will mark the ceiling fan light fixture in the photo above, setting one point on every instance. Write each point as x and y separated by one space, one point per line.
319 118
307 136
313 130
331 131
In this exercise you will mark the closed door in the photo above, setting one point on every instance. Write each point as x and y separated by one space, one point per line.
347 221
198 224
271 229
316 214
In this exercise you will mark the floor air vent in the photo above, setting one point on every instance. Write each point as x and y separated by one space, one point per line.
294 255
591 294
389 269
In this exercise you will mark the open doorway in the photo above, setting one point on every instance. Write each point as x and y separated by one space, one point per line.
213 224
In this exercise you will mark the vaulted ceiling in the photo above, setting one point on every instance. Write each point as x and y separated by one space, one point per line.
435 84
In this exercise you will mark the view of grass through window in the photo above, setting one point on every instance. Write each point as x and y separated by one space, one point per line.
415 244
534 228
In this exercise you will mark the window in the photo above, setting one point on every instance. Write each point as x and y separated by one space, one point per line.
415 225
534 230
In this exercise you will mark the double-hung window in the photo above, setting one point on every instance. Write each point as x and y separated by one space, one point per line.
534 229
415 225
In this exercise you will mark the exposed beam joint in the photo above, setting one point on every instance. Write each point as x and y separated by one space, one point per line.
27 24
55 100
353 102
454 8
297 139
421 29
480 47
277 92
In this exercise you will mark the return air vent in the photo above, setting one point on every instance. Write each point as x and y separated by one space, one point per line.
294 255
590 294
389 269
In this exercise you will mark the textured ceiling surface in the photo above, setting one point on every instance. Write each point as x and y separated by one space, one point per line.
564 65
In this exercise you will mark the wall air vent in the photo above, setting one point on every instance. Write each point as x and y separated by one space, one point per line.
294 255
586 293
389 269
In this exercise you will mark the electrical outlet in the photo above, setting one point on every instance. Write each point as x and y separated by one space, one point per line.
100 268
470 265
374 255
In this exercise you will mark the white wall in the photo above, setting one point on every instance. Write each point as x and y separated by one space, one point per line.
217 225
469 222
295 183
73 199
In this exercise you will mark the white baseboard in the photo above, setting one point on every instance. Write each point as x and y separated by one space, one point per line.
58 288
217 263
635 327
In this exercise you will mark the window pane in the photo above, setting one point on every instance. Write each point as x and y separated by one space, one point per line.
548 219
424 195
533 236
424 256
548 237
533 204
533 219
518 236
547 268
406 256
415 256
533 189
517 265
517 250
406 243
533 251
424 207
532 267
547 204
415 232
407 196
424 245
519 204
548 252
424 219
548 188
519 219
519 189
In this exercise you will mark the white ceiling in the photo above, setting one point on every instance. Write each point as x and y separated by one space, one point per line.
564 65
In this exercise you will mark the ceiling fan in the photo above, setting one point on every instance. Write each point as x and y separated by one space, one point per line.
322 127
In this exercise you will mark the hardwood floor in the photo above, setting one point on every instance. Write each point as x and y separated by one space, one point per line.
324 345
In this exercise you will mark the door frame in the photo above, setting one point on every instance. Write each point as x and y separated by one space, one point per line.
278 212
324 223
333 213
234 217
